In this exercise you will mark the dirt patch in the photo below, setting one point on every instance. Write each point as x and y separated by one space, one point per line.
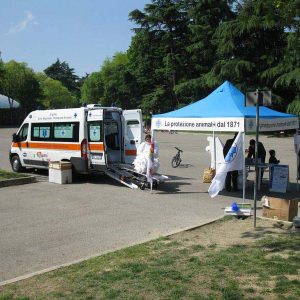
233 232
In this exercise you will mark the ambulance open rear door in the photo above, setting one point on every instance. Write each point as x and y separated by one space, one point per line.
95 139
132 133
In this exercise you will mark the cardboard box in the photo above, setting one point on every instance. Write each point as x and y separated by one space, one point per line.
60 172
279 209
60 165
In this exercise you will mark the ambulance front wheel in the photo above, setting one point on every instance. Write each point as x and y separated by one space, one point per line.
16 164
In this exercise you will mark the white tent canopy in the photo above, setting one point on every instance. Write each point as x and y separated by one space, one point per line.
4 103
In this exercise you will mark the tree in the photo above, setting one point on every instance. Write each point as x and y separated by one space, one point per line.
54 94
152 101
205 18
19 83
62 72
285 76
157 54
81 81
2 70
92 89
113 84
248 45
294 107
119 85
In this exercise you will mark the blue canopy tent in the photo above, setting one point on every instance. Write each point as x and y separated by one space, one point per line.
223 110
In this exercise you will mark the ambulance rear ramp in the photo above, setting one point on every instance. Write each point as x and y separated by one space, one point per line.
125 174
157 178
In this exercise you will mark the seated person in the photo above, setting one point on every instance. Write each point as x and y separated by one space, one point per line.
143 154
273 159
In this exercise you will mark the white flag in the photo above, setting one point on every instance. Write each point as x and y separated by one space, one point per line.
234 160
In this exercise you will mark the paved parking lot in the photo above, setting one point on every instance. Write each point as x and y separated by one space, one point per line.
43 225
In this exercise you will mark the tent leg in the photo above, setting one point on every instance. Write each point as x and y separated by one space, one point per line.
244 170
298 166
215 163
297 172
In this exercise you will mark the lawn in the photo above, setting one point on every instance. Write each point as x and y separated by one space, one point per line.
9 175
228 259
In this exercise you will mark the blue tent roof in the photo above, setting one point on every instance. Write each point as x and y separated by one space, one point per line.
225 101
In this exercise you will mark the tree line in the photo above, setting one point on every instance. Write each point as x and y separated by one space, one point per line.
56 87
181 50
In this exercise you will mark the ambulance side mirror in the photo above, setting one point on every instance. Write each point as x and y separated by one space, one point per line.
15 138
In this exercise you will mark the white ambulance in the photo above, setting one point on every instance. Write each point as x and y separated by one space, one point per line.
91 138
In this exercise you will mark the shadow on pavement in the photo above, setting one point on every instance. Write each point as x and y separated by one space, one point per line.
174 185
185 166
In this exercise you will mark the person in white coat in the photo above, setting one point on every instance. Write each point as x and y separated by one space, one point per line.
143 154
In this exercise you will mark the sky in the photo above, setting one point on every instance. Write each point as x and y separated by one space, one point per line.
81 32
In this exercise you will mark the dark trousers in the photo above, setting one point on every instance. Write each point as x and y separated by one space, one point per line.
231 177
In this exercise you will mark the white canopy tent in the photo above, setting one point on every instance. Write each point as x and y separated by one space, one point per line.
4 103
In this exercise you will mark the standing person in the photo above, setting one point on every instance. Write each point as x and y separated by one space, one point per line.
143 152
261 154
273 159
232 176
261 151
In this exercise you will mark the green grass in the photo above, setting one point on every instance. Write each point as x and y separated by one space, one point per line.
268 268
9 175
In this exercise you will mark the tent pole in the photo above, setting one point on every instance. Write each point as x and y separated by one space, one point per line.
298 165
297 150
244 169
215 163
152 141
258 96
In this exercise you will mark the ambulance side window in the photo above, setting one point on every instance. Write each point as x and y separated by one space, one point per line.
132 127
23 133
95 131
66 132
40 131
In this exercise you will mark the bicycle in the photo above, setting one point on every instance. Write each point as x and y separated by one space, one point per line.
176 160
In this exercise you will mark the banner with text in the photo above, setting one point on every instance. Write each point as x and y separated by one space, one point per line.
198 124
274 124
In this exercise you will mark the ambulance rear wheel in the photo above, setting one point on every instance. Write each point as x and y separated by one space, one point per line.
16 164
